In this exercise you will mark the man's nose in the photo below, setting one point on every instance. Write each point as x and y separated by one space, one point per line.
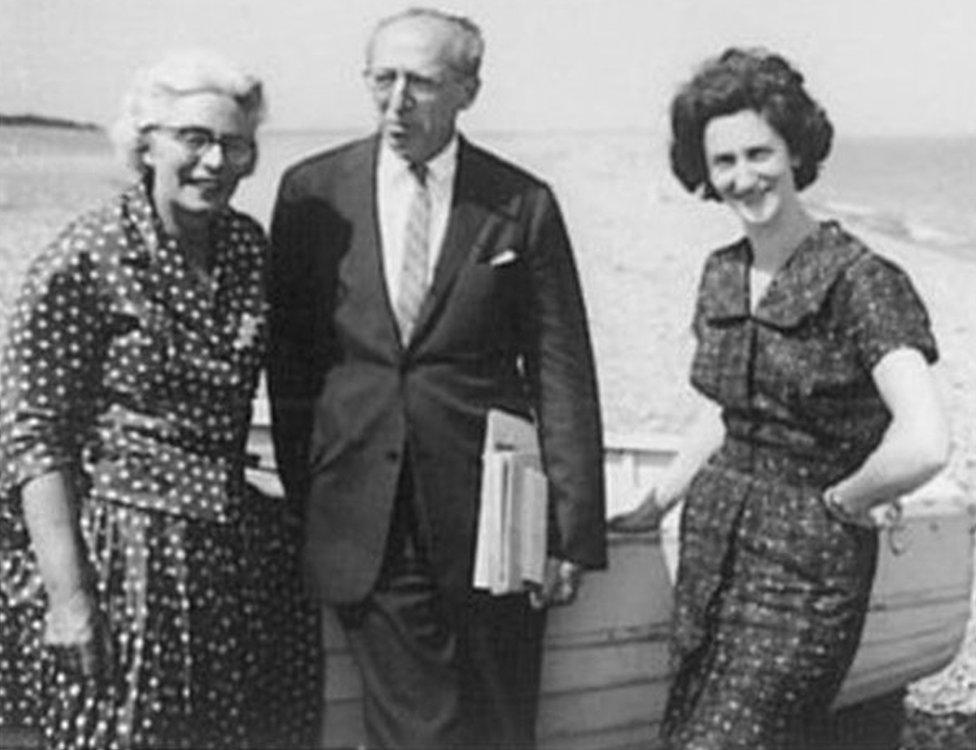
400 98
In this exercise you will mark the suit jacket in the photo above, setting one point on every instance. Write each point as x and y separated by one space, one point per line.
503 326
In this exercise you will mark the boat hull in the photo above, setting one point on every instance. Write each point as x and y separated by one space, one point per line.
605 668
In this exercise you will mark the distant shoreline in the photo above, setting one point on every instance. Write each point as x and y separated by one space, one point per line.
41 121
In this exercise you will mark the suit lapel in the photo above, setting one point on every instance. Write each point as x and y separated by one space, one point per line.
364 266
469 210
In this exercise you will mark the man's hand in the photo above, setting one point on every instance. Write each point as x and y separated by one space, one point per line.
562 582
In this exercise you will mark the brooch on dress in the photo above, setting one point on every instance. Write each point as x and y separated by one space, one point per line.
247 331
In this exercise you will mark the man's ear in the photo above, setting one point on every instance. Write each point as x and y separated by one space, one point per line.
472 86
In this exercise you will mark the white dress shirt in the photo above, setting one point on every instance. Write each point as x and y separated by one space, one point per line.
395 186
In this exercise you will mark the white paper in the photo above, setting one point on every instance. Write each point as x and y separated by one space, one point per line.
512 523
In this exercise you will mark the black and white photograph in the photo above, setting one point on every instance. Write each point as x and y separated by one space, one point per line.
487 375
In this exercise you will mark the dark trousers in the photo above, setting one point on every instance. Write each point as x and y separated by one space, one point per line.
439 672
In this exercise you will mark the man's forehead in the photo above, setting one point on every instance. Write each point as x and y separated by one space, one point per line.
415 42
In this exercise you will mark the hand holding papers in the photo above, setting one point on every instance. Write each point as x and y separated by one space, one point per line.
512 525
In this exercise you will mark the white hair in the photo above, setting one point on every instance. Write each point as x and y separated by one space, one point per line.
469 44
180 74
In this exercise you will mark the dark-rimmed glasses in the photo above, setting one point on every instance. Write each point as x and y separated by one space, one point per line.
197 140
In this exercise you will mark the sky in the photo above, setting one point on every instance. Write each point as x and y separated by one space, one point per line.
880 67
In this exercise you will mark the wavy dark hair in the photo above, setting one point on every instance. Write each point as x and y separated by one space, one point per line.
754 79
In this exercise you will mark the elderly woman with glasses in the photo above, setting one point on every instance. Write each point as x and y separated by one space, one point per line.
167 588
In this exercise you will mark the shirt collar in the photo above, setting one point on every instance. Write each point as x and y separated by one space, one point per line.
440 169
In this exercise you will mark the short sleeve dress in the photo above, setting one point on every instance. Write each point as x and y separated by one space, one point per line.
134 378
772 590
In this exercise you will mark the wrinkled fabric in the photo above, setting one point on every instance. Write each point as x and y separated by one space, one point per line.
127 370
134 377
772 590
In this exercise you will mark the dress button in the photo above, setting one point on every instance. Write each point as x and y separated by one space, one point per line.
392 456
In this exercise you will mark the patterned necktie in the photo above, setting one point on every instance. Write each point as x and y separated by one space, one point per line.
413 271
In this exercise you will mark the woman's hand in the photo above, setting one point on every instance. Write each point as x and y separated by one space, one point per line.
645 517
75 630
703 438
855 513
78 635
914 447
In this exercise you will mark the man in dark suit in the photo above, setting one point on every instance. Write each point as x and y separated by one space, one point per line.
417 282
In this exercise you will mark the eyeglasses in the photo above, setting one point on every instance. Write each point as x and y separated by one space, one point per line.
238 150
383 80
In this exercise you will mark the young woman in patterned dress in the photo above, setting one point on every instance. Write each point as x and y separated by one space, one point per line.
815 353
149 598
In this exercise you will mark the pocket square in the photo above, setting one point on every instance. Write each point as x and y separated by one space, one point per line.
503 258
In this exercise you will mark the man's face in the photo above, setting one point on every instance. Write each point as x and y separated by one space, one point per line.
418 93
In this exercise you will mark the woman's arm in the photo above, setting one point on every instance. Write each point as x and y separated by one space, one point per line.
73 621
914 447
703 438
52 521
50 365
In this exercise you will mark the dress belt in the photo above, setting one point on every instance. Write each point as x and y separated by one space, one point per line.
780 464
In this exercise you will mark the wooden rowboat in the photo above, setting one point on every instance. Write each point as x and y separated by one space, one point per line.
605 673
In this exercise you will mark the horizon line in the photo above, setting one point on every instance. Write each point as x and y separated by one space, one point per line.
59 121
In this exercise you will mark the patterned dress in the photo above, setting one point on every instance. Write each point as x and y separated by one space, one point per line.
773 590
134 377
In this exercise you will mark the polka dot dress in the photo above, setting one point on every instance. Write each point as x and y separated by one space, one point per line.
772 590
134 377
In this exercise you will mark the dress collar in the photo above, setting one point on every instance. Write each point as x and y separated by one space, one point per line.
139 218
799 287
139 214
166 273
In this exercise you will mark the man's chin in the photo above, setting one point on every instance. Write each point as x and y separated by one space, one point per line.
400 143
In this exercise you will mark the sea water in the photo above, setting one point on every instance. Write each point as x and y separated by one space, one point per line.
918 188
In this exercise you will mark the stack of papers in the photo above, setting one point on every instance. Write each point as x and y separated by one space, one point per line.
512 524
